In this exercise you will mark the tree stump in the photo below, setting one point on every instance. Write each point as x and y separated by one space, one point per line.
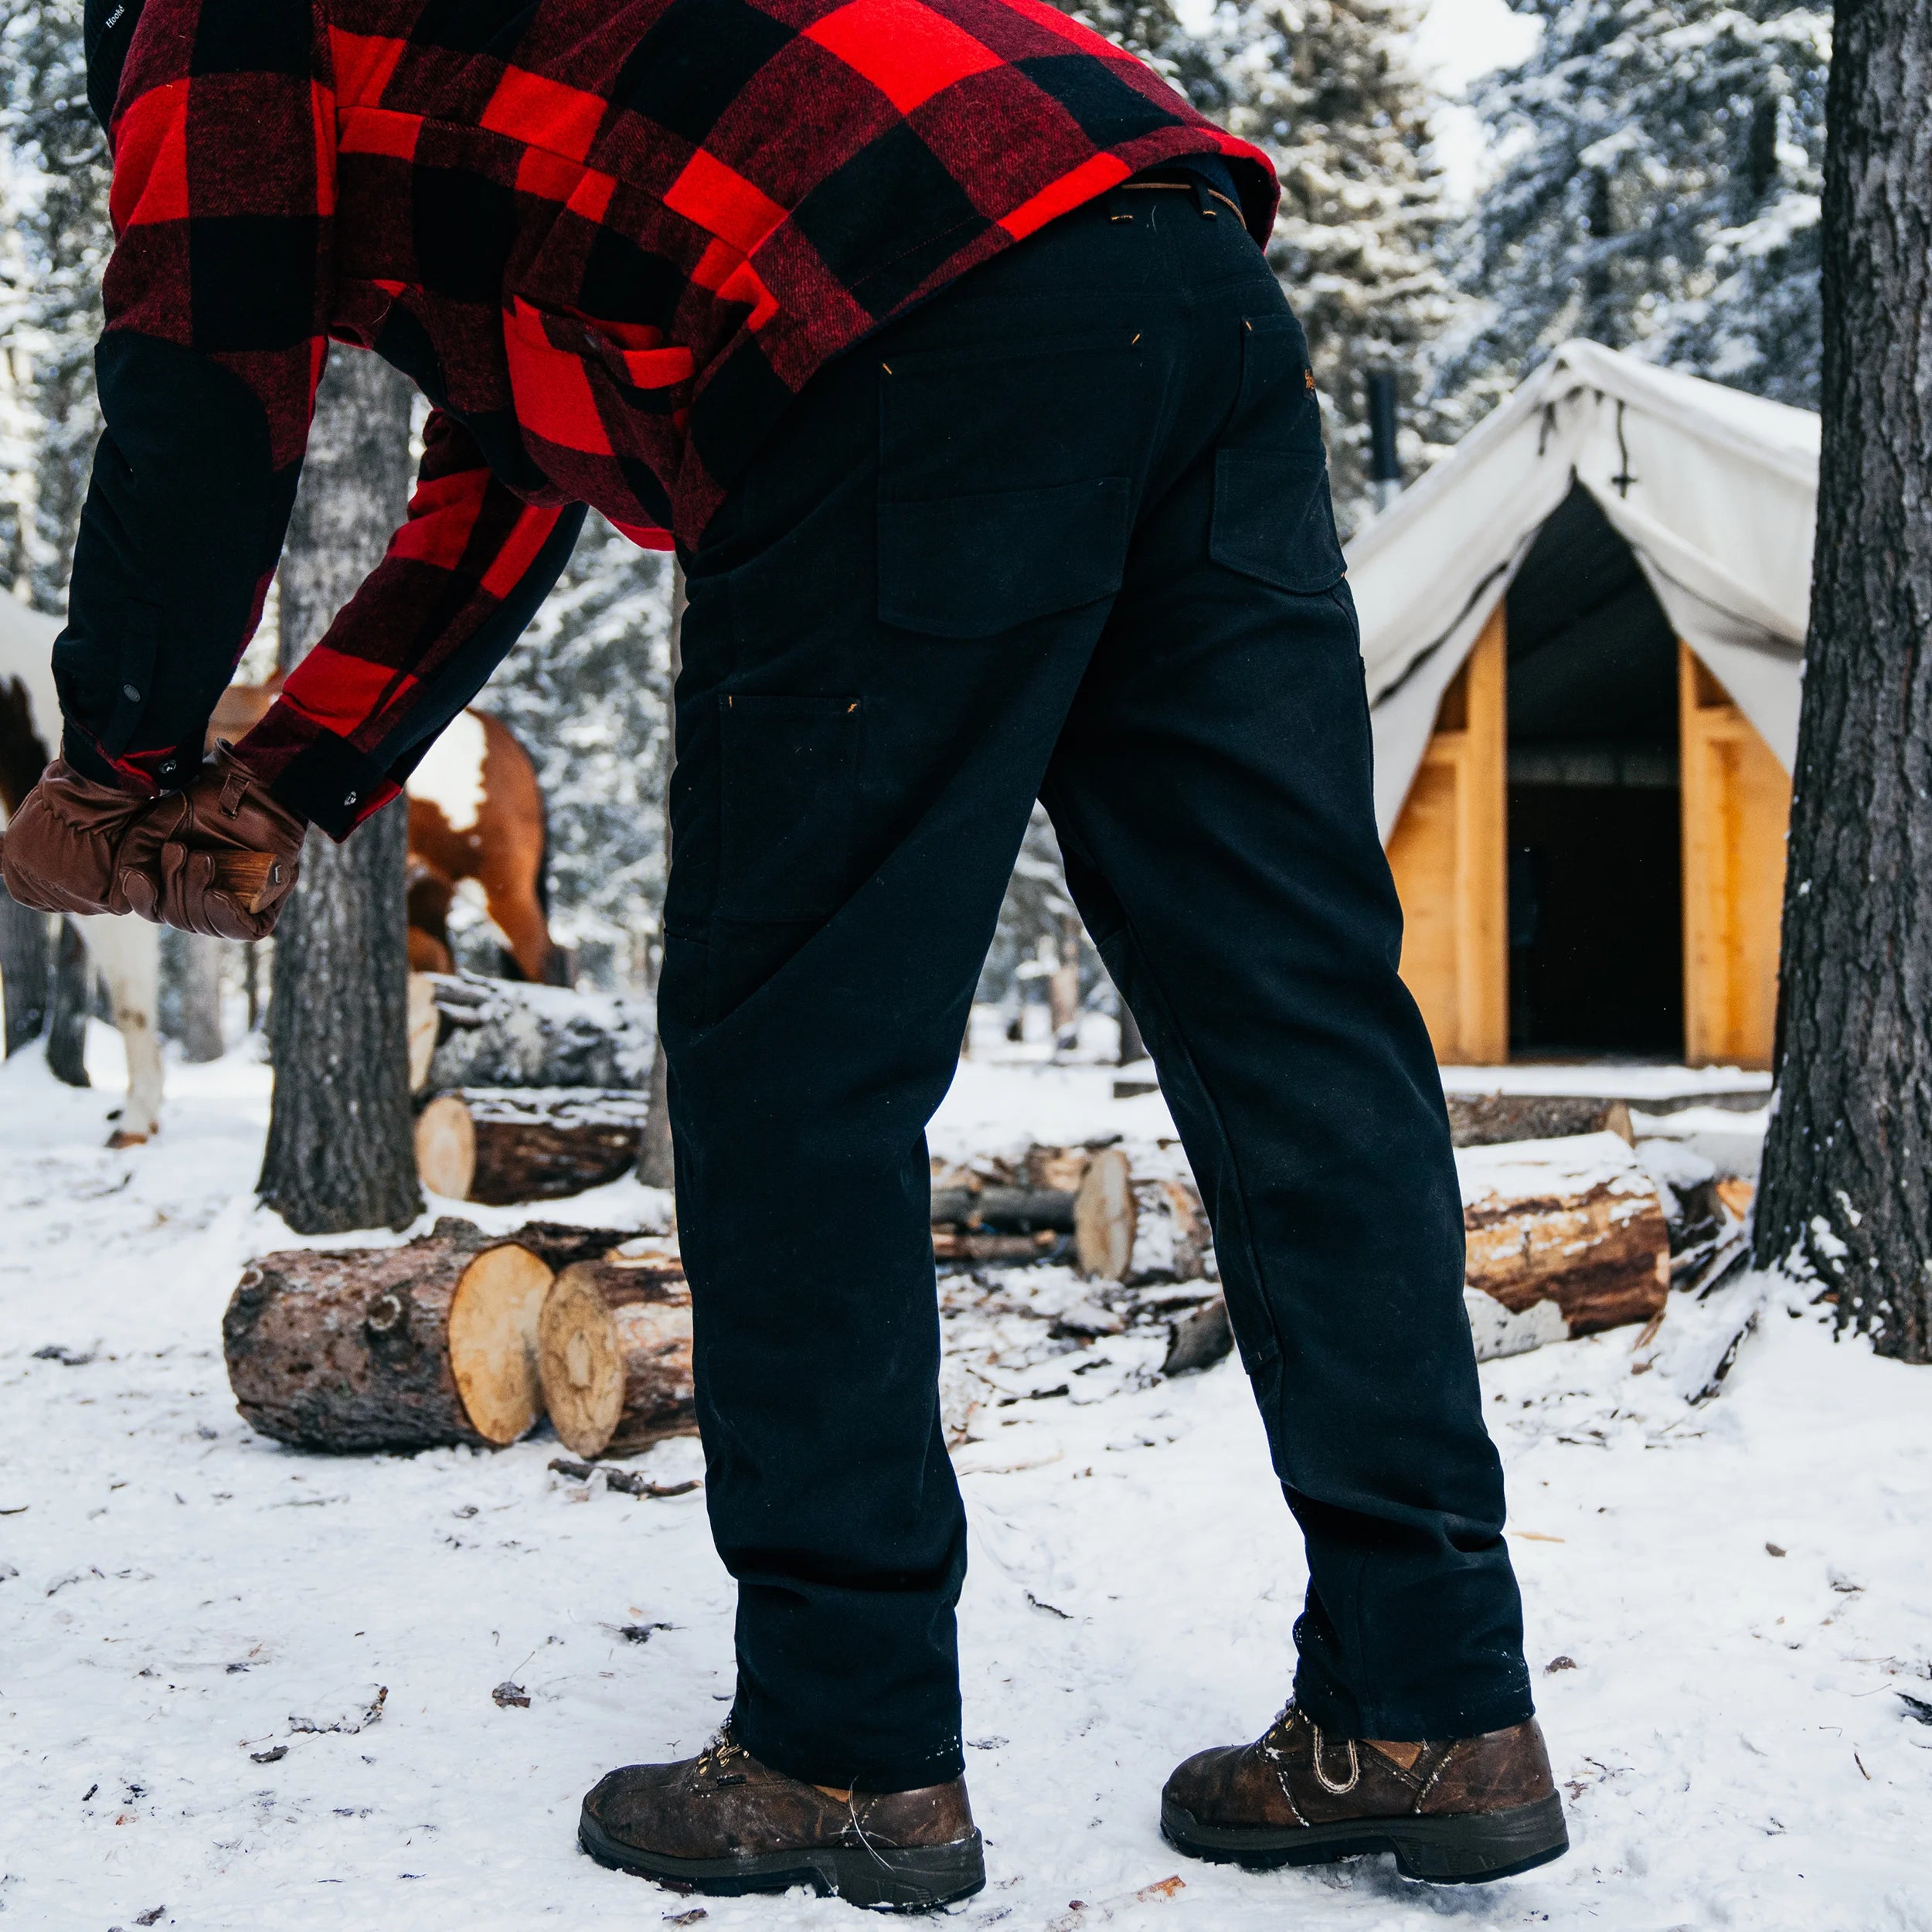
615 1355
1135 1228
504 1145
363 1349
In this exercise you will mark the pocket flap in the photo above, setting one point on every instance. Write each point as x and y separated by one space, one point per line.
972 566
1273 519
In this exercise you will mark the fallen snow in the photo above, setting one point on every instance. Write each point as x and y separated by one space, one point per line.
1726 1721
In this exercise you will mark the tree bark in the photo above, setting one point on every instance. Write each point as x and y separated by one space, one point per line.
1487 1120
195 964
360 1348
69 1001
1846 1186
340 1151
501 1033
23 971
656 1166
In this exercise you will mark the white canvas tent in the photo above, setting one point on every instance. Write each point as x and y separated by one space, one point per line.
1583 634
1715 492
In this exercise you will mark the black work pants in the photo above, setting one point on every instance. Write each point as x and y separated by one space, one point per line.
1063 533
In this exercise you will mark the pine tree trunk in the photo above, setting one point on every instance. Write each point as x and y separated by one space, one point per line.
340 1152
69 1000
1847 1177
655 1167
23 971
194 963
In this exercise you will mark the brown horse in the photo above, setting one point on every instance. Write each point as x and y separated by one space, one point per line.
475 812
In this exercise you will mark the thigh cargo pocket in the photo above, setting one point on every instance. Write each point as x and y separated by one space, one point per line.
789 772
1273 519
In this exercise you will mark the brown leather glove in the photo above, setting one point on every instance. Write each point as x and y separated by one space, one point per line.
220 857
61 845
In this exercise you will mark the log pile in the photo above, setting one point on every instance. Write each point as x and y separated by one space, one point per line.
500 1145
1565 1233
403 1348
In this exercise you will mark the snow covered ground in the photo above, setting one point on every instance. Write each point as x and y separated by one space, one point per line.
1725 1603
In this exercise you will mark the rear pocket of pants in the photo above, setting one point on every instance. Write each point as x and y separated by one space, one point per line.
1273 519
973 567
789 769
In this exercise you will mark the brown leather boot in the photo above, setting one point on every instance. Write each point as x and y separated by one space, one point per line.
1452 1811
722 1822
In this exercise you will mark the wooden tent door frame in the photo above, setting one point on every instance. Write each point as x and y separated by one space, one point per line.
1449 853
1735 805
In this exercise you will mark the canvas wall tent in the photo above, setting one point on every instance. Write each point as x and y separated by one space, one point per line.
1582 633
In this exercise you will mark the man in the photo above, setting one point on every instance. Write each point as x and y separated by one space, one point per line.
935 333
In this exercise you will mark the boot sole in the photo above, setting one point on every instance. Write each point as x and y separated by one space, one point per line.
911 1879
1465 1849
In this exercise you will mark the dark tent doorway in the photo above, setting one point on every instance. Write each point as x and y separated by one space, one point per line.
1596 902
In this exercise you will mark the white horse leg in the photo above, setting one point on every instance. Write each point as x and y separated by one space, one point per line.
127 951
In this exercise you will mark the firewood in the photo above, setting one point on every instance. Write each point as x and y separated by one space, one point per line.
1573 1221
1135 1228
501 1144
362 1349
1010 1210
614 1348
468 1031
964 1244
1489 1120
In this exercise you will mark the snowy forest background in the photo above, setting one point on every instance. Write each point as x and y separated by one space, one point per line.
1647 175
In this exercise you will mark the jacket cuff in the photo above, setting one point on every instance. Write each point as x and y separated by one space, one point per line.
310 771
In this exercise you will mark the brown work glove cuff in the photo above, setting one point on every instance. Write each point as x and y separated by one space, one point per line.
220 858
63 844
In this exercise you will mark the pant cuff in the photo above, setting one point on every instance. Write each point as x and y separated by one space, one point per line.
864 1770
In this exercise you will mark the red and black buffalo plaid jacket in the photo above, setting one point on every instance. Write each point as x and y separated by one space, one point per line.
610 240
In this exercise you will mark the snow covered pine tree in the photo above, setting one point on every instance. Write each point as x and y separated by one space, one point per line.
1327 88
1663 196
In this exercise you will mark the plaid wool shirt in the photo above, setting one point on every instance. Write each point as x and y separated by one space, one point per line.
610 240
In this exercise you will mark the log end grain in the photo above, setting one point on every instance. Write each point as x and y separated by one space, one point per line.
577 1361
1104 1217
615 1355
446 1148
493 1341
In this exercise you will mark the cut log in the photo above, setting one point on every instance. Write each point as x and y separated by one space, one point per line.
964 1244
499 1033
1490 1119
499 1145
1135 1228
362 1349
1010 1210
615 1355
1574 1223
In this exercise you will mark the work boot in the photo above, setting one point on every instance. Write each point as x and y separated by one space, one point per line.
1452 1811
723 1822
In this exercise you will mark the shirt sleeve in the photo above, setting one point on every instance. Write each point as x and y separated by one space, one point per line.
462 578
215 295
